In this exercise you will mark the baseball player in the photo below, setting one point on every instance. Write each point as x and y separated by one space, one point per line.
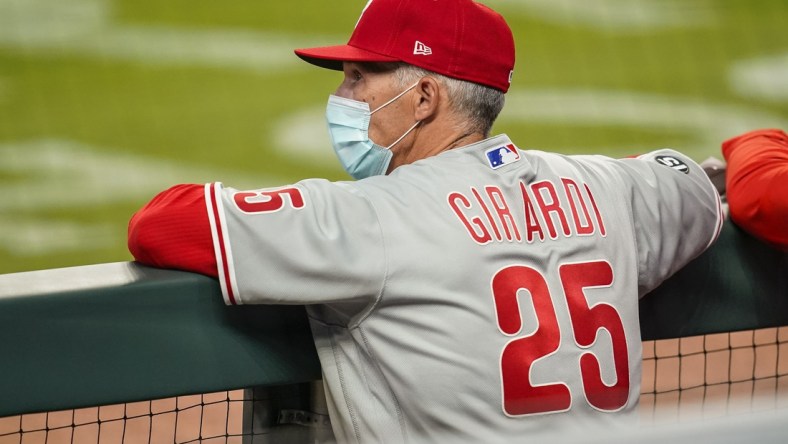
757 184
462 289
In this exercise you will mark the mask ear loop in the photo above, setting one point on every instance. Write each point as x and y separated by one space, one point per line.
388 103
403 136
395 98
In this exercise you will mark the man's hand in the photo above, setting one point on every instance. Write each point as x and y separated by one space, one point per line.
715 169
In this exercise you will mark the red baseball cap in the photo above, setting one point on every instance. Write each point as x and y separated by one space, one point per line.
461 39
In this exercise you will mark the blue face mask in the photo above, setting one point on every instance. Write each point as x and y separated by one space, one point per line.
348 129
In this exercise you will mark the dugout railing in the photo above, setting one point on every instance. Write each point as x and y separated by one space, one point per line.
121 332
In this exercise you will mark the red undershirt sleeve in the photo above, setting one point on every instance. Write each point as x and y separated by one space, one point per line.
757 184
173 231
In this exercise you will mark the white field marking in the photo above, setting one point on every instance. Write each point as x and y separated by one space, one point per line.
619 16
705 125
51 174
58 174
85 27
762 78
26 237
305 132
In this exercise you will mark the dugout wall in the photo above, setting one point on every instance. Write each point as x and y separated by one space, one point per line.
122 332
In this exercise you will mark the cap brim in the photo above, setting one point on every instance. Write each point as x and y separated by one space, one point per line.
331 57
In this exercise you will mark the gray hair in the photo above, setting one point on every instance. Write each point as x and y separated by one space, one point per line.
478 104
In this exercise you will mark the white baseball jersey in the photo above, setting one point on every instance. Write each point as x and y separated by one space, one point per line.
486 294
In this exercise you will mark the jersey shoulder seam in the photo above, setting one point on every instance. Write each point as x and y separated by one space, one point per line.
630 214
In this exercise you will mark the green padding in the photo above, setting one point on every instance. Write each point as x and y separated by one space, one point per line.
122 332
112 333
737 284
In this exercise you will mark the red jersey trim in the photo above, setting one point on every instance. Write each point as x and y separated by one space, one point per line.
221 244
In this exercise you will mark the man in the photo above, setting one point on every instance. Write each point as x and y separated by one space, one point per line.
462 290
757 184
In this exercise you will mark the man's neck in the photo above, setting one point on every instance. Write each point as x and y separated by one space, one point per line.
428 145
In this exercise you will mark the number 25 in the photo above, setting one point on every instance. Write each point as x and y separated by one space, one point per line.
520 396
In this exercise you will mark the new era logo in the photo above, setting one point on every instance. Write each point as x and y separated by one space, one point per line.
502 155
421 49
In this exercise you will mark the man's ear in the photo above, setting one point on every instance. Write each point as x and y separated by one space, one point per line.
429 95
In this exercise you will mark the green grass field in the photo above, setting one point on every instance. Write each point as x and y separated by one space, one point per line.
105 102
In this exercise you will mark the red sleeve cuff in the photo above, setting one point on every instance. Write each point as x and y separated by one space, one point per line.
754 139
173 231
756 176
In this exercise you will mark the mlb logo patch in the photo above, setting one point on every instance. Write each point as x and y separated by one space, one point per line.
502 155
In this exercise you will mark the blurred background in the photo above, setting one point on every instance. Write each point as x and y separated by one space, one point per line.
103 103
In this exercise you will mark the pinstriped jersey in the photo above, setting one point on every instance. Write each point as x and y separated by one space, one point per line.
481 295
